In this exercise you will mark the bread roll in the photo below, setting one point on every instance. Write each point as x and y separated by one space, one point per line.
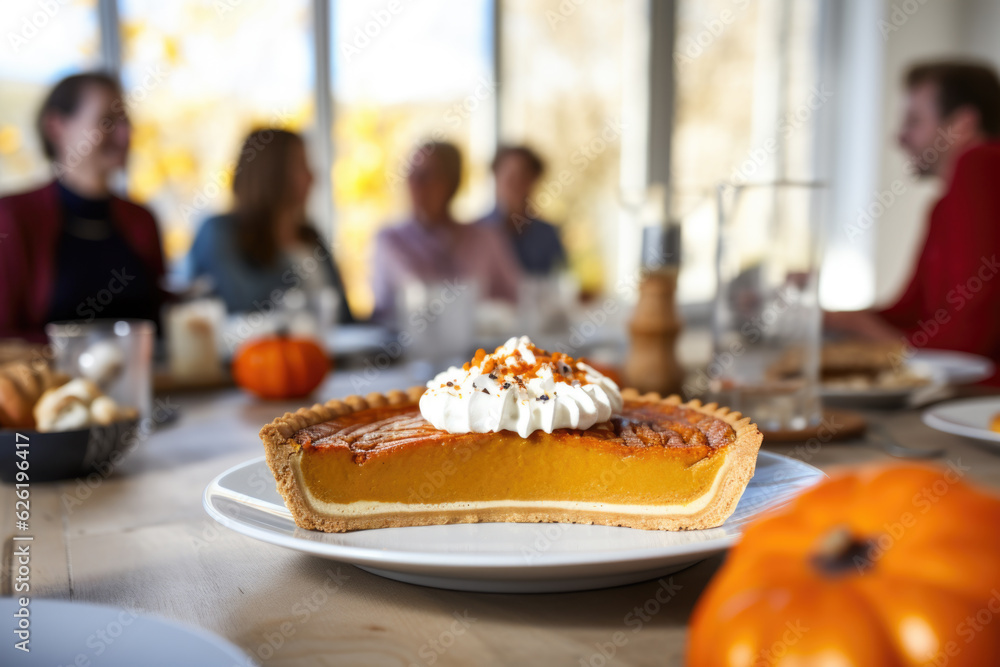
15 409
104 410
66 413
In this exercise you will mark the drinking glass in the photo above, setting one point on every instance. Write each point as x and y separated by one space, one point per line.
437 322
194 339
116 354
767 319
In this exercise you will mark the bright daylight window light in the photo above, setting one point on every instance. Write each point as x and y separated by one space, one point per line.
39 48
401 77
847 280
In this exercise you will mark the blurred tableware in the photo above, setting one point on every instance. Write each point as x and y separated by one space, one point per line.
653 330
542 307
496 321
661 245
66 633
65 454
927 381
116 354
299 313
358 340
194 332
652 361
290 315
767 304
955 367
968 417
835 425
880 437
502 557
915 377
325 304
646 206
437 321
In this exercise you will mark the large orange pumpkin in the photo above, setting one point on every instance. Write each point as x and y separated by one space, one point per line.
887 567
280 367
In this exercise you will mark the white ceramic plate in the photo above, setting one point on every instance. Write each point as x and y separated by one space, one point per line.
942 368
76 633
501 557
350 340
968 417
956 367
888 397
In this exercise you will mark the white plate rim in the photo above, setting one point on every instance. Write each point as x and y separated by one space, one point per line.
385 559
934 356
930 362
936 376
205 637
932 417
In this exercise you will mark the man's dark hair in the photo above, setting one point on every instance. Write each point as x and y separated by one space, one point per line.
64 100
531 157
450 159
962 84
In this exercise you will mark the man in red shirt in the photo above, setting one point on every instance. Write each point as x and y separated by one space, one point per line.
951 130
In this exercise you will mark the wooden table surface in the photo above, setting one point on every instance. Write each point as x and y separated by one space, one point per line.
140 539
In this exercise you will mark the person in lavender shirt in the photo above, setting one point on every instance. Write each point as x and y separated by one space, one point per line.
432 247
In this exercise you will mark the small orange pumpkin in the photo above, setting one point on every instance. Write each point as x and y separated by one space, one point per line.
885 567
280 367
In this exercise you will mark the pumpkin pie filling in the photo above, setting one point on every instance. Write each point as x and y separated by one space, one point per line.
647 456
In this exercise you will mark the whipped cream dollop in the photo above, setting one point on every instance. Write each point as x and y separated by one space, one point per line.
521 388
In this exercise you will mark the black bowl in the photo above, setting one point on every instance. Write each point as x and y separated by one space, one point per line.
64 454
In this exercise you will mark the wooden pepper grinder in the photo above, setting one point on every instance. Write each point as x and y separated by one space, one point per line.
652 361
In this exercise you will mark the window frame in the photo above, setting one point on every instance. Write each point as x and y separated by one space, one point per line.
658 107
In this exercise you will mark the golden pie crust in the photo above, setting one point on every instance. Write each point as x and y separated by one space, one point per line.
710 451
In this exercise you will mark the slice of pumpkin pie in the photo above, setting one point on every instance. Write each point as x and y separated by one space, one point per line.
519 435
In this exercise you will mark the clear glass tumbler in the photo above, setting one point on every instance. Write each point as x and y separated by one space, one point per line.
116 354
767 319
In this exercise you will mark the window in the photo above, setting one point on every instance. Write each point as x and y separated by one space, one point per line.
745 111
402 75
565 78
43 42
198 76
382 76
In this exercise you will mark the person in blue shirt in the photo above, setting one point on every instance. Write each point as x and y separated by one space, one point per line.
536 243
265 246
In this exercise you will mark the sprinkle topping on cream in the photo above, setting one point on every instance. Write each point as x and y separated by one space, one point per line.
521 388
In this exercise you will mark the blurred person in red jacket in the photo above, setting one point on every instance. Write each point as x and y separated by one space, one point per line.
951 130
71 250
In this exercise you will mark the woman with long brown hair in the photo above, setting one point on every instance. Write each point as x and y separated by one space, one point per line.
265 245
